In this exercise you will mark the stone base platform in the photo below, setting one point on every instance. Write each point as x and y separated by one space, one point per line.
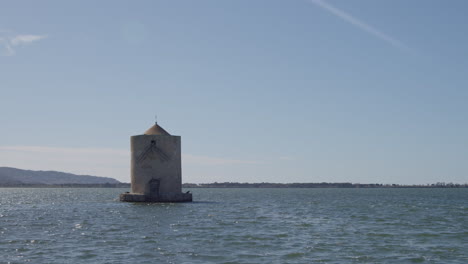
162 198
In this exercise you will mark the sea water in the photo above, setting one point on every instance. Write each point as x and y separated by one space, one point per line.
236 226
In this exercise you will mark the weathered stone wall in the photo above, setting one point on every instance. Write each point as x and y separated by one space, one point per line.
156 158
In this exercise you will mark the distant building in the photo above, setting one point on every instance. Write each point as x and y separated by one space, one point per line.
156 171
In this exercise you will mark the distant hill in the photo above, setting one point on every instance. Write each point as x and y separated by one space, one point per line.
13 176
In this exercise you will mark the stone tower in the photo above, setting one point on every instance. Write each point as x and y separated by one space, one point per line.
156 172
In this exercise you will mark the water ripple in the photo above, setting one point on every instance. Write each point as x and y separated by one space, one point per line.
236 226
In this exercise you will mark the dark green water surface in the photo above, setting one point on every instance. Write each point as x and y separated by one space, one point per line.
236 226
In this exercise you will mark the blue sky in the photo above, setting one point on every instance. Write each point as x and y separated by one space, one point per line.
267 90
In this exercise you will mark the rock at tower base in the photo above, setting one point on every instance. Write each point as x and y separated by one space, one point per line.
162 198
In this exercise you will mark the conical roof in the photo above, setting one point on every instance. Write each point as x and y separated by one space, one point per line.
156 130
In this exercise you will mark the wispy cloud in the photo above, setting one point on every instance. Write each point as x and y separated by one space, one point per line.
25 39
9 42
61 150
107 162
88 161
359 24
205 160
7 50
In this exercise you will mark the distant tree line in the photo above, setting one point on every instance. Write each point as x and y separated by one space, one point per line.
319 185
246 185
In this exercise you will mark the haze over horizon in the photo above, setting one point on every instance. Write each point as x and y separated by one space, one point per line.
260 91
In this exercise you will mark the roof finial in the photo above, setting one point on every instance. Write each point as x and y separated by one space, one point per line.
156 119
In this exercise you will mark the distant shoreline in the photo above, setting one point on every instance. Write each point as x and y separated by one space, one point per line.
263 185
319 185
71 185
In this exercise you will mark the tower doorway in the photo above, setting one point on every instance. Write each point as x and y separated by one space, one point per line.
154 188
